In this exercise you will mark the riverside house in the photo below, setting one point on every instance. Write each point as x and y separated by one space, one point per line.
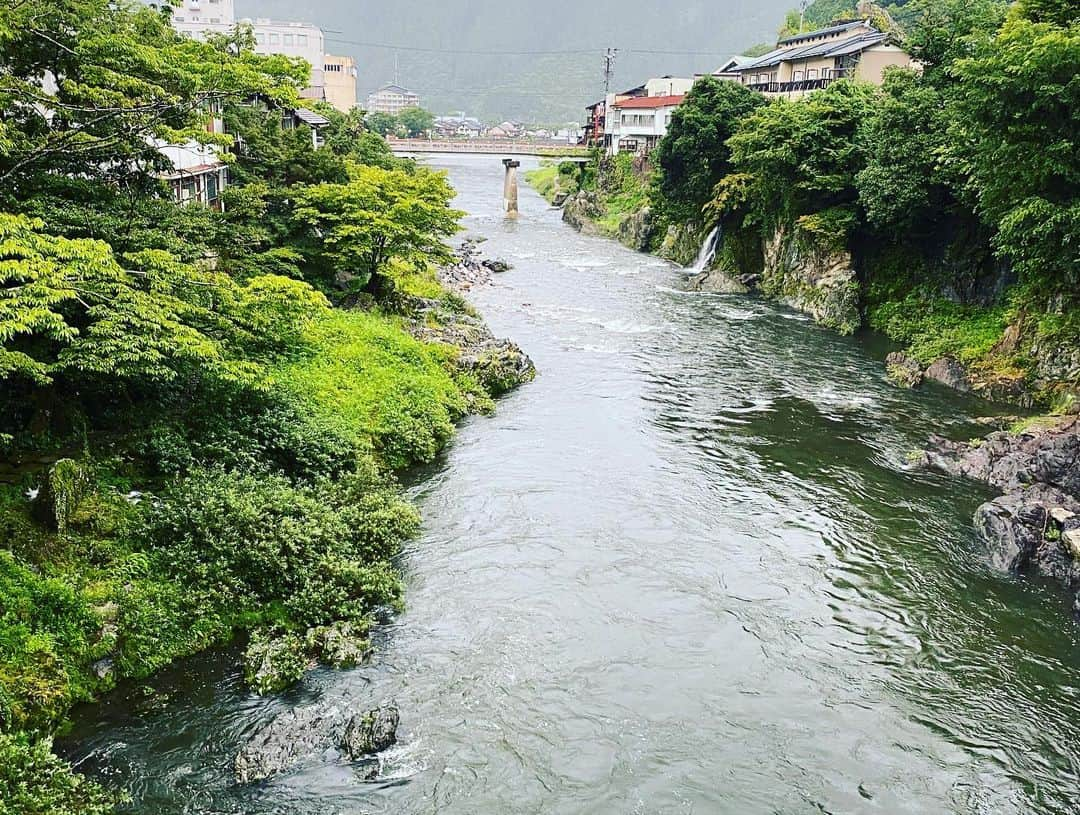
811 60
641 122
637 119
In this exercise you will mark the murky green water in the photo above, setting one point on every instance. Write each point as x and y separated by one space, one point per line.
686 570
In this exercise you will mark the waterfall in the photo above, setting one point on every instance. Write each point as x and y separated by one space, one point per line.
707 253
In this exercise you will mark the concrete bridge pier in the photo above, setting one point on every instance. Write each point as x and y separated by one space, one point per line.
510 187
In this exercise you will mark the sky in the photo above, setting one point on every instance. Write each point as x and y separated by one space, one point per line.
537 62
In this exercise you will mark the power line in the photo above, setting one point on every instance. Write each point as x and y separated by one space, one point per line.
486 52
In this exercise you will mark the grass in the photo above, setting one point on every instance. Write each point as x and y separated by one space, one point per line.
377 385
933 327
545 180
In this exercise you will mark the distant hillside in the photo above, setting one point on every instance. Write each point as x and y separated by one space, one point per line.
537 87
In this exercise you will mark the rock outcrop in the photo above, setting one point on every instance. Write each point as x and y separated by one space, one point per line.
820 282
581 210
1035 524
371 733
637 230
303 733
718 281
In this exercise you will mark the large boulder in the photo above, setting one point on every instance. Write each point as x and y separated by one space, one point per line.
718 281
371 732
950 373
287 740
1020 532
581 211
902 370
1035 525
302 734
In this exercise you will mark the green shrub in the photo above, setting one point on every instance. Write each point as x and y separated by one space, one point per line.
372 383
934 327
33 781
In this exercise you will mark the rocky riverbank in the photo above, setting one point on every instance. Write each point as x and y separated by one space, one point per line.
274 661
1034 525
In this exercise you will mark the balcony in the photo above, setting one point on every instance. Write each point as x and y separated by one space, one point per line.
798 86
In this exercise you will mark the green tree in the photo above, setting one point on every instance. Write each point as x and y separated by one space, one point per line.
942 31
68 307
384 124
798 158
124 79
416 121
903 185
694 155
356 228
1015 133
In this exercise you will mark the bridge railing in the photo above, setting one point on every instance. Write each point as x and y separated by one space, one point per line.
509 147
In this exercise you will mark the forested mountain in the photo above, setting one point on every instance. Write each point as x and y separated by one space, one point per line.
551 87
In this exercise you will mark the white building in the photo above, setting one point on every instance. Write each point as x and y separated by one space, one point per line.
198 175
392 99
636 124
194 18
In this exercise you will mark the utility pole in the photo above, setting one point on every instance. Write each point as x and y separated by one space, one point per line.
609 68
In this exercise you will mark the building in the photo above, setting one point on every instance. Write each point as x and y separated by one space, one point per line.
339 74
669 86
636 124
507 130
197 176
195 18
595 119
810 61
304 118
458 127
730 69
392 99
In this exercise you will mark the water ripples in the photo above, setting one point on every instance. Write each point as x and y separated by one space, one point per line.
686 570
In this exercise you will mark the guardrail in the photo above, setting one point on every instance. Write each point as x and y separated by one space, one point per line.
509 147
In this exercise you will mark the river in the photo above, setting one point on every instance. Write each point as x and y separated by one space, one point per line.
687 570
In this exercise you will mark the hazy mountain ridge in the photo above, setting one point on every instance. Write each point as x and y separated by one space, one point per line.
528 86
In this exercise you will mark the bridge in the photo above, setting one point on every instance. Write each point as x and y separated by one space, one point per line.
499 147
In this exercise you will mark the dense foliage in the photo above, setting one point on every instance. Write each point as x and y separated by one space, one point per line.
694 156
954 186
198 424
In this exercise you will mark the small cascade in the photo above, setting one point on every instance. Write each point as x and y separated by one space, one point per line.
707 253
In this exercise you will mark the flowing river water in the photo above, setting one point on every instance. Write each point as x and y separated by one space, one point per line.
687 570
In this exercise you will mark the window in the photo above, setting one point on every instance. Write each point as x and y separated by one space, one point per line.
178 19
797 76
288 39
811 73
826 73
301 40
214 20
275 39
260 38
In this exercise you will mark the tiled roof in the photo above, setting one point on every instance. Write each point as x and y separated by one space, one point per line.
310 117
822 32
832 48
650 102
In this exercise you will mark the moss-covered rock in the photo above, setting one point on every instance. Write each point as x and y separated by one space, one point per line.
273 662
819 280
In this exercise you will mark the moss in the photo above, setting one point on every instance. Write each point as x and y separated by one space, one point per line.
933 327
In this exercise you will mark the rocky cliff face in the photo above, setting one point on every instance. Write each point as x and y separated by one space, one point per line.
681 243
637 230
1035 525
581 211
820 282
